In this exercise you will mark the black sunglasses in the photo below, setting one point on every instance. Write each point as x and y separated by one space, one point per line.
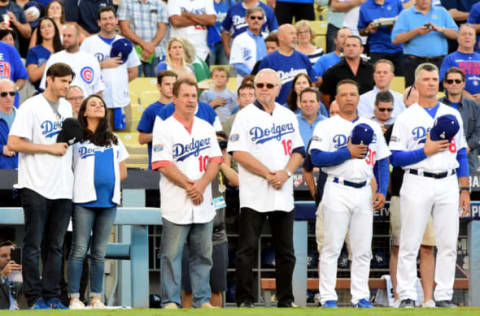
4 94
451 81
262 85
385 109
252 17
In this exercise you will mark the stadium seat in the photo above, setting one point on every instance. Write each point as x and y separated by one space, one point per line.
398 84
232 84
128 139
319 27
138 85
321 41
137 111
148 97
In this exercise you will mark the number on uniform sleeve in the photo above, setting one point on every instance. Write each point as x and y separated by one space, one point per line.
452 147
287 147
370 159
202 161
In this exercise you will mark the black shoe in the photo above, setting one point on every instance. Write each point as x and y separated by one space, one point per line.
445 304
246 304
287 305
408 303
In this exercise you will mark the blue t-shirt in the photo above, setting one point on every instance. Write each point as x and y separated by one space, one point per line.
221 8
288 67
11 66
224 111
306 130
469 63
85 13
474 18
325 62
37 55
104 179
146 124
235 24
432 44
380 41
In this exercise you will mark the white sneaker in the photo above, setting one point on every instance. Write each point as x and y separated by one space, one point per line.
396 303
429 304
207 305
171 306
97 304
76 304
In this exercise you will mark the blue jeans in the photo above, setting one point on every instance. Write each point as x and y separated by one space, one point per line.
95 224
198 239
45 220
148 70
217 55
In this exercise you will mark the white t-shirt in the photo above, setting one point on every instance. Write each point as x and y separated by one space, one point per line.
410 133
48 175
271 140
334 133
244 51
86 69
115 79
196 34
190 152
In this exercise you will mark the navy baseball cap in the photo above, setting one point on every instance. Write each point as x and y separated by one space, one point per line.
444 127
121 48
362 134
71 132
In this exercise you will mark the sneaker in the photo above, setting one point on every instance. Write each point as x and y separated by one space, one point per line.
445 303
408 303
75 303
55 303
363 303
207 305
429 304
287 305
396 303
330 304
96 304
40 304
170 306
246 304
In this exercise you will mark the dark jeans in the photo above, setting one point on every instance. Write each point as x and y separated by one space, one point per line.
46 220
250 227
286 11
331 34
410 64
396 59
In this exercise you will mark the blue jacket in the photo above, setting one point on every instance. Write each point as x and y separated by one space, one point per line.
6 162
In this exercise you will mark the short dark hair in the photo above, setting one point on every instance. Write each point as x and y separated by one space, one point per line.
347 81
272 37
383 96
60 70
310 90
357 37
165 73
106 9
179 83
5 32
245 86
454 70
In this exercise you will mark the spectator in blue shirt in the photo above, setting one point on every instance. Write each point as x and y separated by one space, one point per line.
381 46
309 115
11 67
474 18
286 10
8 158
217 53
48 42
467 60
165 81
16 21
459 11
423 30
235 23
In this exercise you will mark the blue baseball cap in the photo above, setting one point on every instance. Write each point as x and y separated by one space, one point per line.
121 48
444 127
362 134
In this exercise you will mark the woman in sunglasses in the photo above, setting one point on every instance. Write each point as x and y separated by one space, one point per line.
99 165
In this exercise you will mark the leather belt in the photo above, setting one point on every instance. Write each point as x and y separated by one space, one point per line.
440 175
350 184
425 59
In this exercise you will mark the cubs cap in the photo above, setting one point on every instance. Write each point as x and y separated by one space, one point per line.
444 127
121 48
362 134
71 132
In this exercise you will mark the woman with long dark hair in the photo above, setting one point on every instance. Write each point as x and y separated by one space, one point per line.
56 11
300 82
99 165
48 42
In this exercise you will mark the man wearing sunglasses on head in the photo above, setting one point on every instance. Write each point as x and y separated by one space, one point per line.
8 91
454 85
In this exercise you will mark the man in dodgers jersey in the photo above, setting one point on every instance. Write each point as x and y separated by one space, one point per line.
84 65
266 143
347 198
118 71
189 160
45 178
430 167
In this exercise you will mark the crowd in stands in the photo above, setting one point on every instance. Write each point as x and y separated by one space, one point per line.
62 56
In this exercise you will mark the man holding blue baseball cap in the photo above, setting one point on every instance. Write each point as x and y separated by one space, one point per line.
119 63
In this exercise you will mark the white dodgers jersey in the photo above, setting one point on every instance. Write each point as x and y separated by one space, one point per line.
334 133
191 152
410 133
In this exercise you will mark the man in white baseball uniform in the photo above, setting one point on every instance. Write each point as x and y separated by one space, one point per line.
45 178
84 65
430 167
186 151
117 71
266 143
347 198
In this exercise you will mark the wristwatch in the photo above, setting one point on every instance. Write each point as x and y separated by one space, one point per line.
464 189
288 172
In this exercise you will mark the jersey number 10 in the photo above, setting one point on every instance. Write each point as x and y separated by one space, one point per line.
202 161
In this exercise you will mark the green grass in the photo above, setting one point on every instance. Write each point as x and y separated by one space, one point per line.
463 311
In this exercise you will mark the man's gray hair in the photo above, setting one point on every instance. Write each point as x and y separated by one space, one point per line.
255 9
269 71
425 66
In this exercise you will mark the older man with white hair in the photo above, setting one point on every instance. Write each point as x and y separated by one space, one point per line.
8 91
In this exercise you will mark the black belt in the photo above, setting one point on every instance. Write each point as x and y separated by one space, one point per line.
350 184
433 175
425 59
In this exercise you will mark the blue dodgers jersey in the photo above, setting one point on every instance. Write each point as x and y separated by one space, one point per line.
288 67
37 55
11 66
235 20
469 63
